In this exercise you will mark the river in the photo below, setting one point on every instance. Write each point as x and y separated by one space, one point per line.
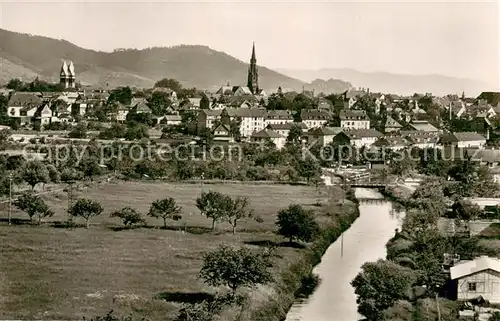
364 241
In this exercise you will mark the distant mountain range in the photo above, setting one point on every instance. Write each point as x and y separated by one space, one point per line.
394 83
26 57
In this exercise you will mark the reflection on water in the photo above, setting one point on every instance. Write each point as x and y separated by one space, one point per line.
365 241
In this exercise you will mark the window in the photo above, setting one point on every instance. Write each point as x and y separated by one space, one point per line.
472 286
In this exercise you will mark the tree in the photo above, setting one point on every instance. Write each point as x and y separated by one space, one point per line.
213 205
79 131
429 196
379 285
464 210
35 172
159 103
70 175
54 174
15 84
296 222
308 168
166 208
85 208
122 95
169 83
129 216
4 137
33 205
238 209
294 135
204 102
235 268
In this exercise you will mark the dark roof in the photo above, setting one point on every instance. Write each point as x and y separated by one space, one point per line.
278 114
423 126
19 99
39 110
390 122
391 141
286 126
353 115
312 114
361 133
462 137
173 117
325 131
267 133
491 97
247 112
485 155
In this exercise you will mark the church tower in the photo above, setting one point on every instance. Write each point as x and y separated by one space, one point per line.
67 77
64 75
253 76
72 75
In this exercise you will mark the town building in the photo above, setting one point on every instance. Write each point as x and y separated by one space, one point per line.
357 137
322 135
267 134
391 125
284 129
421 139
354 119
23 105
122 112
42 115
422 125
464 140
314 118
222 133
391 142
278 117
478 277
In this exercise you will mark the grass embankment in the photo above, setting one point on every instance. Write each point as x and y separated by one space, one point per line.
297 278
56 273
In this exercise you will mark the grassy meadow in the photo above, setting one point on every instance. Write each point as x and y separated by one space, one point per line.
48 272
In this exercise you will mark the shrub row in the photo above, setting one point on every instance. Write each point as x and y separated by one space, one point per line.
297 280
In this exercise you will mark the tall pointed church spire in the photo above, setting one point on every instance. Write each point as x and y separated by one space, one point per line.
253 59
253 76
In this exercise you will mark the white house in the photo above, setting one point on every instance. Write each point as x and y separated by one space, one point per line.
464 140
122 112
171 120
252 120
358 137
354 119
478 277
23 105
322 135
314 118
284 129
268 134
278 117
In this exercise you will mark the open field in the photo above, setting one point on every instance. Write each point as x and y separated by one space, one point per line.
56 273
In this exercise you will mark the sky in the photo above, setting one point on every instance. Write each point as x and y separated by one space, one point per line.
458 39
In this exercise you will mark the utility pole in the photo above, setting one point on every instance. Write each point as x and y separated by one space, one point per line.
10 198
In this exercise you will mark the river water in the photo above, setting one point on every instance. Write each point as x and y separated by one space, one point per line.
364 241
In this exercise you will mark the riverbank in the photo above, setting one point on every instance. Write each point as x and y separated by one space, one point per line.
297 277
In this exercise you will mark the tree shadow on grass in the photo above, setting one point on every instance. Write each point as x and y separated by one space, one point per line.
185 297
16 221
187 229
269 243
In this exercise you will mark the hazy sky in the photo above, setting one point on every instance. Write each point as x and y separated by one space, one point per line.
458 39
